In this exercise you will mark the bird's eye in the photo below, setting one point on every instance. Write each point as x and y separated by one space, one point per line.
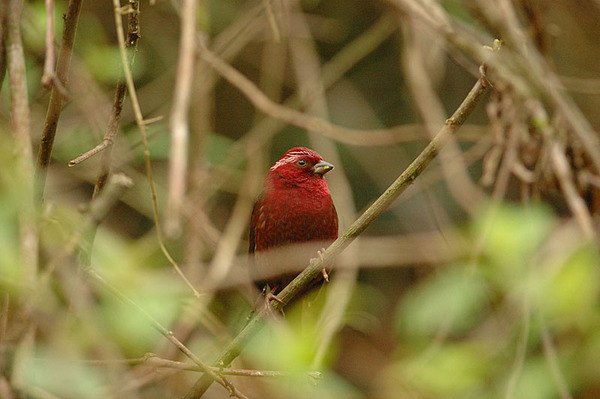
302 162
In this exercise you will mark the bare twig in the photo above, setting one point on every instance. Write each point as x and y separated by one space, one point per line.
151 360
378 207
56 95
48 73
289 115
3 34
418 47
133 34
106 142
20 115
552 359
178 123
272 20
521 351
576 203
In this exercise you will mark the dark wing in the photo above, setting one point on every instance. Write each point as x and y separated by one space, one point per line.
253 224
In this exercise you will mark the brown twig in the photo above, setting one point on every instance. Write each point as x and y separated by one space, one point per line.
272 20
418 44
20 115
48 73
133 34
56 96
574 200
151 360
3 34
379 206
178 123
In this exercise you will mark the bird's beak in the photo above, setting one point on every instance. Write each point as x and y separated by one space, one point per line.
322 167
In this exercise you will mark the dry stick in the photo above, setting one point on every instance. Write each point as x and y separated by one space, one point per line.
520 352
379 206
142 127
48 74
56 95
562 172
578 207
3 33
178 123
113 126
272 20
20 115
552 359
109 139
289 115
537 69
133 34
152 360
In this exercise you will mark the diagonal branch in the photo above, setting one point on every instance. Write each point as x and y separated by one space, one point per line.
376 209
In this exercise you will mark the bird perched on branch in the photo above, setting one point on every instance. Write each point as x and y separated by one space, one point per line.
293 217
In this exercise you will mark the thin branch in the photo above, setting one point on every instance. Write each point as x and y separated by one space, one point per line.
133 34
574 200
151 360
106 142
48 73
3 34
178 123
21 127
552 359
57 95
118 11
521 351
291 116
272 20
376 209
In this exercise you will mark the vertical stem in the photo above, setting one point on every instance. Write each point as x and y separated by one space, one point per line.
56 95
21 131
179 124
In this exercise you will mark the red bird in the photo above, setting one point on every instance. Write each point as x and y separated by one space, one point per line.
295 207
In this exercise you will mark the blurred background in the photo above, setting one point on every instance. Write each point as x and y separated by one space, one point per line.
481 280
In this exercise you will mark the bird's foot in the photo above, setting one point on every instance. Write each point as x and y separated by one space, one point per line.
324 270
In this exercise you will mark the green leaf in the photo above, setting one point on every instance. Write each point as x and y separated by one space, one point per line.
570 295
452 299
452 370
509 236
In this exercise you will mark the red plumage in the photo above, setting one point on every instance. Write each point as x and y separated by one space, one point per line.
294 207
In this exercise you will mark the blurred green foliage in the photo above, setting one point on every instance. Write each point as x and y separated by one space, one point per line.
511 312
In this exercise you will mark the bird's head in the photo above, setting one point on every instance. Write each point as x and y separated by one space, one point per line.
300 166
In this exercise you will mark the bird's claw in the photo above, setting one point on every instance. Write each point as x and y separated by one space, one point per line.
324 270
325 275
